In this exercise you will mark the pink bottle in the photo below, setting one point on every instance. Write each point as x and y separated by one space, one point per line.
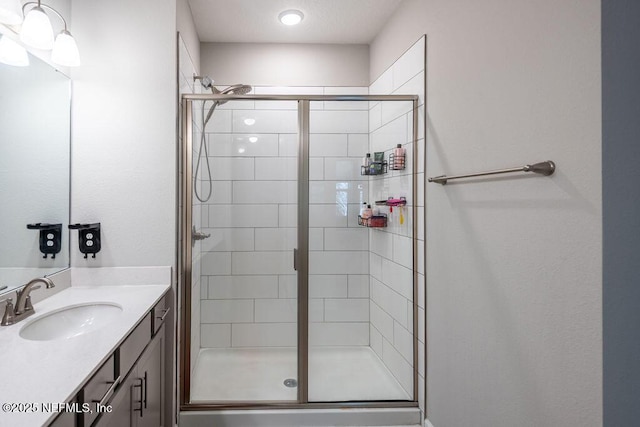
399 154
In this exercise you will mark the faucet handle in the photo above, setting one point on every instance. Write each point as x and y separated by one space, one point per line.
9 313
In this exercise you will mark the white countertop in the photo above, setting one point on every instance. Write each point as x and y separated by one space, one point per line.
37 372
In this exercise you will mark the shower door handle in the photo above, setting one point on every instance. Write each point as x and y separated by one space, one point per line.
295 259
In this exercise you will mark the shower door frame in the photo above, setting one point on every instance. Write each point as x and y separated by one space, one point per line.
302 264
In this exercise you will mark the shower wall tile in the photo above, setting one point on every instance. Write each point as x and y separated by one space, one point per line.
399 367
398 278
276 239
389 135
241 145
265 192
215 263
358 145
339 262
328 145
327 286
381 243
287 215
342 168
338 193
327 216
243 287
276 310
346 310
276 105
288 90
403 342
339 122
408 65
358 286
232 168
259 263
288 145
391 302
221 195
316 239
316 168
226 216
264 335
288 286
227 311
316 310
403 250
227 240
347 239
382 321
330 334
265 121
215 336
375 341
277 168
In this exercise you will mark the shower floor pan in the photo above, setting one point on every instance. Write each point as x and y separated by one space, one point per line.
336 374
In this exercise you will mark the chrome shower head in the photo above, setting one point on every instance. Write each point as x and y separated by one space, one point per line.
233 90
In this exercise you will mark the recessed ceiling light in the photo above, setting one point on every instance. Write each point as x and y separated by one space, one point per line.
291 17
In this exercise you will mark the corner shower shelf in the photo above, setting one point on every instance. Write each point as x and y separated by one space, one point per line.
398 163
376 221
376 168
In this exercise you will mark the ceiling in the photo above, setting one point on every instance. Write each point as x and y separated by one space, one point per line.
325 21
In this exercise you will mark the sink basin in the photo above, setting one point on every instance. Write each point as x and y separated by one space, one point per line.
70 321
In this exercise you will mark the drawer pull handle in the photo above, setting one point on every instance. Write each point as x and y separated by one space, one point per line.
141 386
166 311
109 393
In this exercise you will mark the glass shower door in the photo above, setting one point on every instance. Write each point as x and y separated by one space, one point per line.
244 321
361 311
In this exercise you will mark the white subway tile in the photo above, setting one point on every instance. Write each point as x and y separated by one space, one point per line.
264 335
316 310
375 341
288 286
403 251
403 342
277 105
342 168
219 122
353 210
375 118
326 334
346 239
215 263
375 266
327 286
327 216
243 104
382 321
358 145
231 168
338 192
288 90
415 86
276 310
227 216
268 192
421 325
383 85
339 122
242 145
389 135
338 262
409 64
227 240
220 193
277 168
287 215
421 291
262 263
358 286
243 287
276 239
226 311
328 145
215 336
265 121
204 285
398 278
346 310
288 145
399 367
381 243
346 90
316 168
346 105
391 302
392 110
316 239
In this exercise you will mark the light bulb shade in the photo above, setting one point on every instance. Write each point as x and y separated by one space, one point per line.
65 51
11 53
36 29
10 12
291 17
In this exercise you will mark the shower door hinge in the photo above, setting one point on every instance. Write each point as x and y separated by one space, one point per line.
295 259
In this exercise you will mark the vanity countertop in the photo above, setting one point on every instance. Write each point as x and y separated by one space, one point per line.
42 372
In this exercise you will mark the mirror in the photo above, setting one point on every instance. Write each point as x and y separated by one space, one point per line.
35 106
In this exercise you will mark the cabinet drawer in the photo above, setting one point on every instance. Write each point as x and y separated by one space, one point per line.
159 312
132 347
97 388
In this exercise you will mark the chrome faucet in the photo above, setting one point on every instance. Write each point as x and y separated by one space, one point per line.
23 308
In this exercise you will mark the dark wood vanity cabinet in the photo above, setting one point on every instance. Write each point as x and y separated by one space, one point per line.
129 386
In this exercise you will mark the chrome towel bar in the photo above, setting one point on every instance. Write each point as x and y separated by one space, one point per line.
543 168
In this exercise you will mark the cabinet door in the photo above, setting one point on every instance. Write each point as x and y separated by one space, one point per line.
150 369
122 405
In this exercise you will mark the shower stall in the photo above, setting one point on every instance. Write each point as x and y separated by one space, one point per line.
295 294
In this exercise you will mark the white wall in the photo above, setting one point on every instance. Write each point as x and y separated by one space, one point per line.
188 33
271 64
124 129
514 265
